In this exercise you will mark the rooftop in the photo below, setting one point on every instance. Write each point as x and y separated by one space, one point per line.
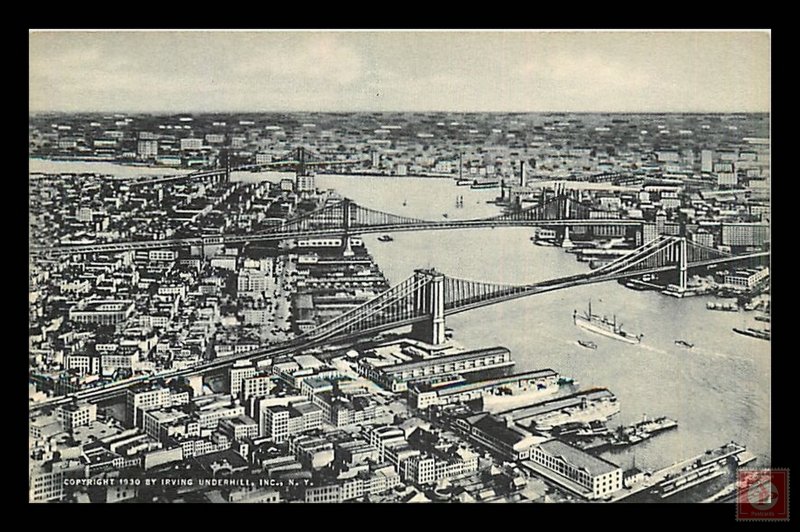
593 465
460 387
510 435
467 355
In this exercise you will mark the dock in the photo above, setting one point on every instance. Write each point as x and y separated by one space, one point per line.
684 474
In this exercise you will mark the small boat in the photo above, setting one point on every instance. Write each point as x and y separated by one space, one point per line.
587 344
445 215
404 203
385 238
684 343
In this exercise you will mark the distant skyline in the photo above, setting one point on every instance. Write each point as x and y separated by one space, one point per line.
513 71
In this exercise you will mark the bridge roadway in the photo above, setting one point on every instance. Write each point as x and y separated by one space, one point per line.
116 247
303 342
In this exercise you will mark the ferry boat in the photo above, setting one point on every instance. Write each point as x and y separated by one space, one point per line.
544 237
587 344
684 343
643 430
727 307
604 326
385 238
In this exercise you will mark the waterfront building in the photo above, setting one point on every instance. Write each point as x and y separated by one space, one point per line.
397 377
500 435
423 395
571 467
746 278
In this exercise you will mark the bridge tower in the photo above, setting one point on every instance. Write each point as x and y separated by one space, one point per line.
225 162
429 298
301 160
346 223
683 270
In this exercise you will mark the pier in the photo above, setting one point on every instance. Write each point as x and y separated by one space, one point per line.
668 479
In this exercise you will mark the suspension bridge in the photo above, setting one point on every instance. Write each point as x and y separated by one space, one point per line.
424 300
427 297
300 160
347 218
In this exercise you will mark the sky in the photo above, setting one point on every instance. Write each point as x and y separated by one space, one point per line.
510 71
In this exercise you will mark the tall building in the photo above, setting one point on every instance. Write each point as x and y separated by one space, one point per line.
191 144
241 370
745 234
251 282
305 183
707 161
143 397
280 422
147 149
74 415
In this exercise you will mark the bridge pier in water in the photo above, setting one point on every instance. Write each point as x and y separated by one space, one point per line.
429 298
683 269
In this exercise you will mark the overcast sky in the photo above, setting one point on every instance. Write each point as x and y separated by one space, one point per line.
399 71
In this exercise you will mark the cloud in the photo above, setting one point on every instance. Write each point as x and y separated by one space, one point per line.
317 57
341 71
588 70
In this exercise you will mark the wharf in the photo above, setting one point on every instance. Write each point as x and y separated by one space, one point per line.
668 476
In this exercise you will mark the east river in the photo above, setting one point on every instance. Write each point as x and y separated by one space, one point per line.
718 391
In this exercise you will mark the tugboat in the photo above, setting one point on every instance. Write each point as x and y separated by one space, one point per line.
596 324
385 238
587 344
684 343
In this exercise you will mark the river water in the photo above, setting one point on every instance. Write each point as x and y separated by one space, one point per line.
718 391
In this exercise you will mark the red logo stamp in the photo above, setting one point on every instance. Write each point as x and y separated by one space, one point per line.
762 495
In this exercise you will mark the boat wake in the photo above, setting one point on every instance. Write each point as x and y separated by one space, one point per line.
649 347
718 354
